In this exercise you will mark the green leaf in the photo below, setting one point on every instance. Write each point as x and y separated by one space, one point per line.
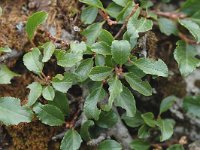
167 103
60 100
90 106
135 26
48 93
100 73
99 60
144 132
106 37
34 21
85 134
126 100
135 121
113 9
92 32
167 26
107 119
49 114
192 27
5 49
48 51
176 147
185 54
84 69
190 7
140 144
62 83
122 3
94 3
101 48
153 67
120 51
68 59
71 141
191 105
89 15
12 113
32 61
35 93
137 84
149 119
6 75
109 145
115 88
166 127
78 47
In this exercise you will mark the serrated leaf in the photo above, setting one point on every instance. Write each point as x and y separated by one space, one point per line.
149 119
107 119
113 9
92 32
115 88
144 132
76 47
101 48
126 100
32 61
34 21
135 26
140 144
190 7
35 93
48 50
49 114
68 59
109 145
153 67
60 100
120 51
137 84
167 26
5 49
135 121
12 113
94 3
185 54
166 127
90 106
71 141
106 36
191 104
89 15
6 75
193 27
100 73
84 69
85 134
48 93
167 103
62 83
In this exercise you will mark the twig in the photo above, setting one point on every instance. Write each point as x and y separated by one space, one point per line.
126 21
186 39
58 136
96 141
12 54
172 15
107 18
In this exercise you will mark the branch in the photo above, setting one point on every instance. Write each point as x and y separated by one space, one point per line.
107 18
12 54
126 21
186 39
96 141
172 15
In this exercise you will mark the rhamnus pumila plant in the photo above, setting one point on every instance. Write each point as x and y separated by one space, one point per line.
110 71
